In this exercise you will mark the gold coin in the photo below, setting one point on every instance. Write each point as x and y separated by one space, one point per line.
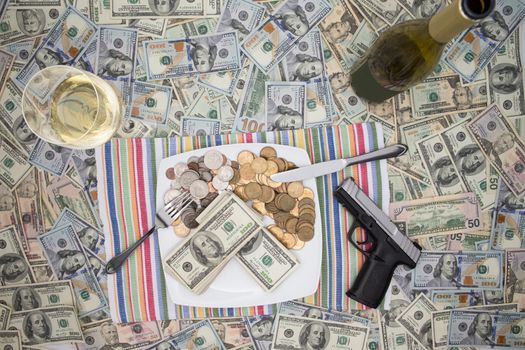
271 168
281 164
276 231
288 240
295 210
268 194
284 202
307 193
299 245
259 165
245 157
282 188
295 189
239 191
305 233
271 207
306 202
247 172
272 183
253 190
236 177
259 207
291 224
181 230
176 222
290 165
268 152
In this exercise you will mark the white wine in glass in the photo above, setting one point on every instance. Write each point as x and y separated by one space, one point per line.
71 108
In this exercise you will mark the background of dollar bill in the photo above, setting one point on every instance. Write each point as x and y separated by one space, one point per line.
466 186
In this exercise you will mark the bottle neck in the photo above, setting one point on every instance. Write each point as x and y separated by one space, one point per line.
449 22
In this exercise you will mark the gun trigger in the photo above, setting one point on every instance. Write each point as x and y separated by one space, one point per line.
349 234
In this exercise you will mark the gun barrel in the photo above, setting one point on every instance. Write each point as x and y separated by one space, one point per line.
373 212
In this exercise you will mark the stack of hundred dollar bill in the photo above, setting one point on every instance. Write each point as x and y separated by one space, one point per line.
209 67
229 228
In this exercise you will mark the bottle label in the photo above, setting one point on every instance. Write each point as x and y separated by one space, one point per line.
366 86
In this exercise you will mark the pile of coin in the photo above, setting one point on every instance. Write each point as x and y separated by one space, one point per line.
202 177
291 205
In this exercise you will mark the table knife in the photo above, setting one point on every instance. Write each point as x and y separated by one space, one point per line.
324 168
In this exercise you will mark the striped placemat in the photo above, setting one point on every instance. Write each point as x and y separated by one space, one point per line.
127 172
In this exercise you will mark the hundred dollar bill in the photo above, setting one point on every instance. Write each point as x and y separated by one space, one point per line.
48 326
261 331
453 299
228 228
133 335
29 211
515 277
14 163
199 335
441 319
305 62
199 54
85 166
487 328
50 157
116 61
410 134
506 85
416 319
23 49
5 315
191 28
393 335
150 102
15 269
12 118
62 194
63 45
285 105
8 214
424 9
440 166
398 189
507 200
500 144
470 163
470 53
21 24
241 16
389 130
275 37
204 106
6 62
389 11
267 260
154 26
445 95
233 332
99 11
91 238
150 9
450 269
37 295
439 215
10 339
294 308
507 230
69 262
199 126
3 8
294 332
464 241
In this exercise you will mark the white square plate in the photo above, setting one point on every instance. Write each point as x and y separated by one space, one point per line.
234 287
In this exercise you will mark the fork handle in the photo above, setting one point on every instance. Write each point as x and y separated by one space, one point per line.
117 261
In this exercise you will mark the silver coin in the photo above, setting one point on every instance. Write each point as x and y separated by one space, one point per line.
206 176
193 159
187 178
225 173
175 184
213 159
218 184
170 195
199 189
180 168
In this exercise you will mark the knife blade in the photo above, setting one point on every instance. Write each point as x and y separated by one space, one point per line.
331 166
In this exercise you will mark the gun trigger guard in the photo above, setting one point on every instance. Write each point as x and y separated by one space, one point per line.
355 244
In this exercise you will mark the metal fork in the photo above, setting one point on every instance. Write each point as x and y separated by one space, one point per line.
164 217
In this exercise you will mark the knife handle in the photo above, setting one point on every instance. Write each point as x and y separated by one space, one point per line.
383 153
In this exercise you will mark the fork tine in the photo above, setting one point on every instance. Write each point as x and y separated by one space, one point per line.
175 201
178 212
180 206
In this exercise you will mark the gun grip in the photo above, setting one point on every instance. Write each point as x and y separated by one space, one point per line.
372 282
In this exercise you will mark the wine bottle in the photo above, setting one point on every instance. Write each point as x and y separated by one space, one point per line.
406 53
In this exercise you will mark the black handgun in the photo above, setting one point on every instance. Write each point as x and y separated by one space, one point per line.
386 246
